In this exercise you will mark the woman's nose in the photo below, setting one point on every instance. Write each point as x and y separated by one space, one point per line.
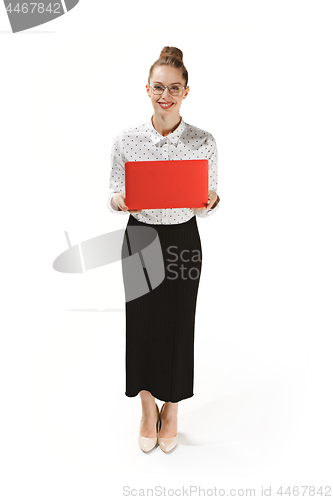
166 90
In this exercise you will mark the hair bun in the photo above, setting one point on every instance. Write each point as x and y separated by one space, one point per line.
173 52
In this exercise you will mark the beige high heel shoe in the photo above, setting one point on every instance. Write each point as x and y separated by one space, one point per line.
146 443
166 444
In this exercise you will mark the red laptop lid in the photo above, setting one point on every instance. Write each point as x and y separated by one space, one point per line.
166 184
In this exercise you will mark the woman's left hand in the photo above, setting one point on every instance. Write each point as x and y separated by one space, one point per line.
212 197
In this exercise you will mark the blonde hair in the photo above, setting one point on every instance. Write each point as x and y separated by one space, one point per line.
170 56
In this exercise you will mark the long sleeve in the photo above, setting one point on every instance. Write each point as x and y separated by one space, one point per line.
144 143
117 175
212 158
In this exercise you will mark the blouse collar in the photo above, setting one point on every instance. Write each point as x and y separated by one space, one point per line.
173 137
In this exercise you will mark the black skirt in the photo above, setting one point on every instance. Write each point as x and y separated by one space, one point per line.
160 313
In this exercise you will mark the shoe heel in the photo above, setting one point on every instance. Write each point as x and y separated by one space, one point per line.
147 444
166 444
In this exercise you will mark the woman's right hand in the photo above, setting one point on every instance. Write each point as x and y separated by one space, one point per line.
119 200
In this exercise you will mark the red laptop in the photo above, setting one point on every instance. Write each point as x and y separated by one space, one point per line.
166 184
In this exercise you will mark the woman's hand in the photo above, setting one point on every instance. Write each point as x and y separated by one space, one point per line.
118 200
212 197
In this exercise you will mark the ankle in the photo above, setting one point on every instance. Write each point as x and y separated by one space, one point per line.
148 410
170 411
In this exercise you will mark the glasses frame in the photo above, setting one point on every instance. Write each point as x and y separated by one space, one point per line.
167 87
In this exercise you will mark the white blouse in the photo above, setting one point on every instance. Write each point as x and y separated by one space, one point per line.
145 143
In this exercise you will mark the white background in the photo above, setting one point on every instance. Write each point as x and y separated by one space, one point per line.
260 77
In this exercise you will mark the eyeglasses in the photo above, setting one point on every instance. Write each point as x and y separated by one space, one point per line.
173 89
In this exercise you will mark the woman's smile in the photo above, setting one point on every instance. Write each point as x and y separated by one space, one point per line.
166 105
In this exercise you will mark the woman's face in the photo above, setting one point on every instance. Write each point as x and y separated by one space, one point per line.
166 75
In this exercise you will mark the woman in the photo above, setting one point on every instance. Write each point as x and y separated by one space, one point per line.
160 324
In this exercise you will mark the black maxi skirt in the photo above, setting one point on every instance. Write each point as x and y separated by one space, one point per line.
160 323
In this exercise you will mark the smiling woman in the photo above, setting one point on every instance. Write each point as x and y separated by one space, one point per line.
160 324
168 89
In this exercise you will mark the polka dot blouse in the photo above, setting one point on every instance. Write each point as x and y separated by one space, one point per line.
145 143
